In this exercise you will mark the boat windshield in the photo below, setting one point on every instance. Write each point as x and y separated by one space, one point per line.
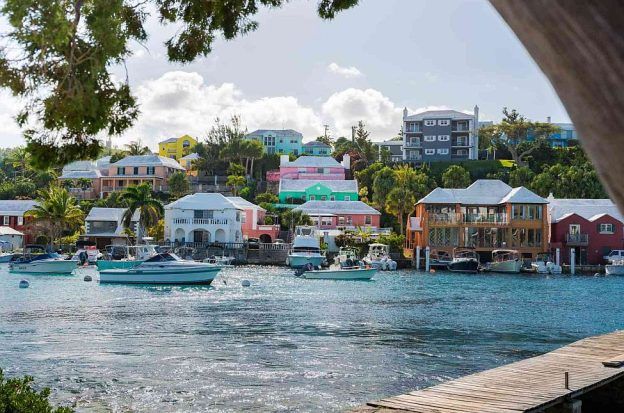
169 256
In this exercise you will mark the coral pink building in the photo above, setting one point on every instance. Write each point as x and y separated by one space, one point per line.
252 221
591 227
341 214
310 167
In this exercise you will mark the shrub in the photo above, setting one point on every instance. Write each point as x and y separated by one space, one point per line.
17 396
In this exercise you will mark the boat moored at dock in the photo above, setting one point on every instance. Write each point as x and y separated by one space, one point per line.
464 260
378 257
507 261
615 268
306 248
165 269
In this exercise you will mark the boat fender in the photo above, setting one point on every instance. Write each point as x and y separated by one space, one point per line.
246 283
24 284
432 271
88 278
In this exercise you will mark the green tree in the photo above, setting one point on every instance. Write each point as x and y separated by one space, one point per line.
178 184
236 169
291 218
569 181
18 396
455 176
365 176
140 198
236 182
253 150
18 188
522 176
326 140
157 231
57 212
515 130
266 197
410 185
383 182
135 148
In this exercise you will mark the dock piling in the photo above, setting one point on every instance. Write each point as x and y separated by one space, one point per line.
557 256
572 260
418 258
427 259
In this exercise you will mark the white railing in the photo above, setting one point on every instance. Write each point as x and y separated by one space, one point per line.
201 221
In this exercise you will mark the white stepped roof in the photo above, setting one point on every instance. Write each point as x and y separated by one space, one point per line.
242 203
109 214
439 114
202 200
590 209
314 161
148 160
336 208
333 185
483 192
16 207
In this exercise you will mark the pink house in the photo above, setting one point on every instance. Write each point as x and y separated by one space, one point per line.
310 167
252 221
341 214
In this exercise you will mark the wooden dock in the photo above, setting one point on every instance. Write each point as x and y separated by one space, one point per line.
531 385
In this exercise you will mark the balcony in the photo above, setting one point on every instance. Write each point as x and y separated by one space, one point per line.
460 128
460 142
412 144
490 219
578 240
444 219
200 221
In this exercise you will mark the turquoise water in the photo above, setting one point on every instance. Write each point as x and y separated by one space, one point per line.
285 344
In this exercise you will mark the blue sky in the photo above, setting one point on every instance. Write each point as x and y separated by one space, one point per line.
298 71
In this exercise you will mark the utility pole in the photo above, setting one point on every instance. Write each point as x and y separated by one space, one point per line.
353 134
326 131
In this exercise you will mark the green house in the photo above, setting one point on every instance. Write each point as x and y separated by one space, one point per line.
298 191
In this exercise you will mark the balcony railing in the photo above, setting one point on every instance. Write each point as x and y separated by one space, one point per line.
497 219
452 218
201 221
413 130
412 144
577 239
460 142
460 128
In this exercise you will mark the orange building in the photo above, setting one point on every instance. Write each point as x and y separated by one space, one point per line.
487 215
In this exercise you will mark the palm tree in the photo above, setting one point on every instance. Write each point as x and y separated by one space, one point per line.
135 148
236 182
140 198
57 212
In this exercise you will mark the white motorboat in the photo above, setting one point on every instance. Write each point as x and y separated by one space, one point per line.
379 257
507 261
222 261
615 268
163 268
125 256
336 273
306 248
6 257
42 263
543 265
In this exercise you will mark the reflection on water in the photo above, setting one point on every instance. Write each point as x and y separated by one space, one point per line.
284 343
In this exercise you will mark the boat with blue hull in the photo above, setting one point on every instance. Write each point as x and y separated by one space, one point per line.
306 248
163 269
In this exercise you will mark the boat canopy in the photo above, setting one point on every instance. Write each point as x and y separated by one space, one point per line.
163 257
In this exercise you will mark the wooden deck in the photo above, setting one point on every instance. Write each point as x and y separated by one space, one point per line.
526 386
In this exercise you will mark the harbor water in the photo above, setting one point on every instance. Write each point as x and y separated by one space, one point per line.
285 344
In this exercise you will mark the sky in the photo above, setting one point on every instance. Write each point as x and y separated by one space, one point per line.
301 72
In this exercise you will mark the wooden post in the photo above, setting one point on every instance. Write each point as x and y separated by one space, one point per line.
418 257
427 259
572 260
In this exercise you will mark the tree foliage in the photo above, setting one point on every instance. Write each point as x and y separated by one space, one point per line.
456 177
18 396
178 184
140 198
290 218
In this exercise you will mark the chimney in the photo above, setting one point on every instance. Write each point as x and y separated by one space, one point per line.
346 161
284 159
404 113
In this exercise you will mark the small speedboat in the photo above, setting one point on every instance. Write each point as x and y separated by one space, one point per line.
439 259
379 257
464 260
163 268
507 261
615 268
544 265
336 273
222 261
6 257
42 263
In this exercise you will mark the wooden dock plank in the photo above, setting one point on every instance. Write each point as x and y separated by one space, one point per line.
525 385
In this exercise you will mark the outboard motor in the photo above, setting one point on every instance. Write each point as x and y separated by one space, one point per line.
83 257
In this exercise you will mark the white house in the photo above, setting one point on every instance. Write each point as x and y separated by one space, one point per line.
10 238
203 217
104 226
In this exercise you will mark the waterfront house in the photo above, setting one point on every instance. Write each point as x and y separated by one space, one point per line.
487 215
440 135
12 216
317 148
176 148
395 148
310 167
252 221
134 170
279 141
341 214
203 218
590 227
104 226
298 191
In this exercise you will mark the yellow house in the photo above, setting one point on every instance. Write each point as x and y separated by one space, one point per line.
177 148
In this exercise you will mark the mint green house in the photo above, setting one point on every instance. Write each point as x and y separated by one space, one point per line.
278 141
299 191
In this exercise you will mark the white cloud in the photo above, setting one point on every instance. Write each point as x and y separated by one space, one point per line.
180 102
347 72
381 116
10 133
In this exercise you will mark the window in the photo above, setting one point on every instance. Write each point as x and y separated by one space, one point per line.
121 170
326 221
151 170
430 138
607 228
120 184
186 144
429 151
430 123
203 214
443 151
135 170
444 138
312 197
323 197
347 197
5 220
368 220
332 198
443 122
341 221
349 220
319 170
238 216
243 217
20 220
